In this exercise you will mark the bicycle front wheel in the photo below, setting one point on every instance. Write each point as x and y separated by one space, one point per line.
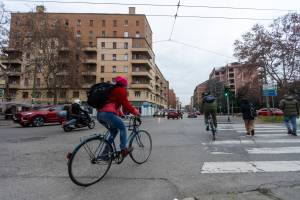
90 161
142 147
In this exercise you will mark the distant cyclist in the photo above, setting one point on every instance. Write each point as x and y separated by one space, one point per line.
209 107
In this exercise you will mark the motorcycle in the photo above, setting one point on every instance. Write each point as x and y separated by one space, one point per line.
86 121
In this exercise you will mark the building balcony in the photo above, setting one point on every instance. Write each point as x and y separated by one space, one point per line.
141 86
89 49
89 73
14 85
11 49
12 61
14 73
142 61
142 74
90 61
87 85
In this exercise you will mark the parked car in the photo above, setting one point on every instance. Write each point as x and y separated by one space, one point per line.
192 115
39 116
173 115
198 113
270 111
159 114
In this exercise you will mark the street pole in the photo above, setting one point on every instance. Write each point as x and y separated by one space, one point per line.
228 107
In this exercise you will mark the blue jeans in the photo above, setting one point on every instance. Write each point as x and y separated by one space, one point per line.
292 119
71 121
114 123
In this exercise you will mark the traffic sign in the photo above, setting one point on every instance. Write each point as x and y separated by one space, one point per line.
269 90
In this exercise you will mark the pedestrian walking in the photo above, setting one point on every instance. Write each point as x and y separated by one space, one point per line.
249 114
290 107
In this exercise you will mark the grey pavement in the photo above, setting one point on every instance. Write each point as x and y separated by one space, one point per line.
33 164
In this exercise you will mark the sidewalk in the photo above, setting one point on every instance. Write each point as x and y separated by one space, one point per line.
4 122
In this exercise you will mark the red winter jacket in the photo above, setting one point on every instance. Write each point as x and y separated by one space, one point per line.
118 98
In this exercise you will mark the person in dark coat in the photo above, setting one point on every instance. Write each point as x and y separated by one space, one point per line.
249 114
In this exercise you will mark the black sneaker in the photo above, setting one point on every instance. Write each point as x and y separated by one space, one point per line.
207 128
252 133
290 132
294 134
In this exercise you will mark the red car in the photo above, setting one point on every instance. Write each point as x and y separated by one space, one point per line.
40 116
270 111
174 114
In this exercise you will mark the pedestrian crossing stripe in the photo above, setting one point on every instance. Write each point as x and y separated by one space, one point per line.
229 142
274 150
250 167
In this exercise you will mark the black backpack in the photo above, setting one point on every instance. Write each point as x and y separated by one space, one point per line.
97 96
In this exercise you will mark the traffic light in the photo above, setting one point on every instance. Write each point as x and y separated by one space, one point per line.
226 91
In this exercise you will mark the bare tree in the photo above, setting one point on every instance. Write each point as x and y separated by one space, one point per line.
4 25
275 49
53 52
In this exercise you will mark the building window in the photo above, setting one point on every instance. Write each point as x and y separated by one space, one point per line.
27 55
78 33
78 22
137 69
103 33
26 82
62 94
137 23
49 95
91 34
115 34
125 34
114 56
90 44
126 22
102 69
114 45
66 22
102 80
125 45
91 22
103 23
102 57
125 69
115 23
137 34
38 81
137 94
114 69
75 94
126 56
102 44
25 95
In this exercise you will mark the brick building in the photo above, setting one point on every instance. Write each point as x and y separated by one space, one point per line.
113 45
172 99
197 97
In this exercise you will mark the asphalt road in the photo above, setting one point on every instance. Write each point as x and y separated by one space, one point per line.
184 163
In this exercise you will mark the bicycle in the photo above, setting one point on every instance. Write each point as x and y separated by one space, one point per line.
92 158
212 127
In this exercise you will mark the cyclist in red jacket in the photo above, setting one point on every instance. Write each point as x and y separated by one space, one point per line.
110 113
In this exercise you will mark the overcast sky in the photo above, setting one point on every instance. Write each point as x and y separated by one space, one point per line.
183 66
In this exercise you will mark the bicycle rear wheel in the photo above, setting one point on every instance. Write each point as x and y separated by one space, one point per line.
142 147
90 161
213 130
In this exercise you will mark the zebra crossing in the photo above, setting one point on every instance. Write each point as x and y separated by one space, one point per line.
270 141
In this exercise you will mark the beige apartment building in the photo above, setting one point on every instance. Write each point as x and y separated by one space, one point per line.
113 45
197 97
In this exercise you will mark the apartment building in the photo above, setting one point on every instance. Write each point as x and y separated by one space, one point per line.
113 45
235 75
172 99
197 97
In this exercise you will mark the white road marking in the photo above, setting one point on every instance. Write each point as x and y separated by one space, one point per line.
269 131
220 153
250 167
274 150
293 140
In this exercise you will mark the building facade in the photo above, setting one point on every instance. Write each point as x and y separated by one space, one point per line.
172 99
235 75
113 45
197 97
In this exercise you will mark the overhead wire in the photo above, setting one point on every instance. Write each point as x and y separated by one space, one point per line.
175 17
156 5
